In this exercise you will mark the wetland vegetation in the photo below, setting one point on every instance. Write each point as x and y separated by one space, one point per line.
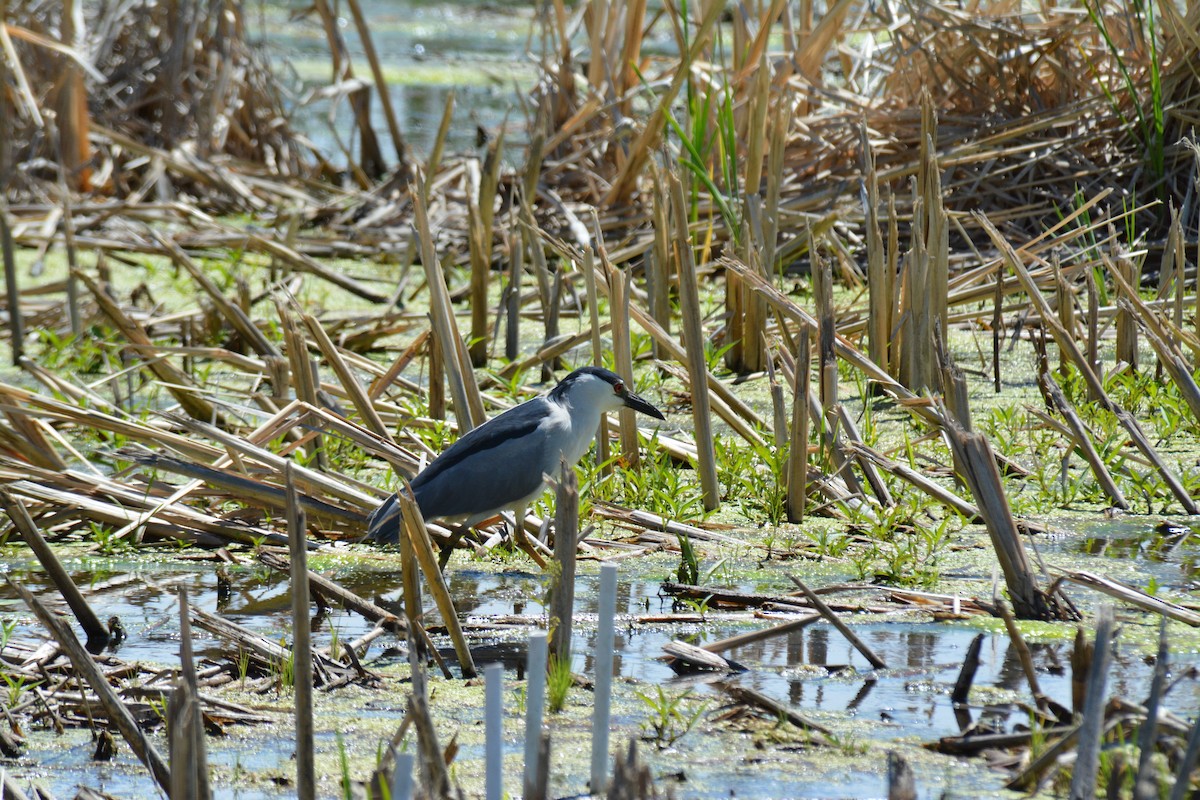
914 283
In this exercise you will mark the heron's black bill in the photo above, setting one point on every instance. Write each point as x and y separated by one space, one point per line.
638 404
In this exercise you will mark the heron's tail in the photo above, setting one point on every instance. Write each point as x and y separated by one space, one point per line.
383 525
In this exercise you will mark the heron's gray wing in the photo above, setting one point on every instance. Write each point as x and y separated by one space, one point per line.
494 466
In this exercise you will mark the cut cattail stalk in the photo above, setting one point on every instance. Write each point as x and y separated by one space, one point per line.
605 636
439 146
880 279
618 298
185 722
693 336
1087 760
493 676
535 706
593 300
974 455
306 775
16 327
1127 338
562 596
798 452
445 328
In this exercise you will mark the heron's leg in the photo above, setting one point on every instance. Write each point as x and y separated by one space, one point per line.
457 532
522 541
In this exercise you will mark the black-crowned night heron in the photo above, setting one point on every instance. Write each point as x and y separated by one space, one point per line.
501 464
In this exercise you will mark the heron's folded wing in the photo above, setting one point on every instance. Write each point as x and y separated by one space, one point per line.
494 466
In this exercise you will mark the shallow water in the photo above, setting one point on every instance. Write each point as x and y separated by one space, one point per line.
815 671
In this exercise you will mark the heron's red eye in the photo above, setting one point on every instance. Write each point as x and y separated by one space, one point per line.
618 387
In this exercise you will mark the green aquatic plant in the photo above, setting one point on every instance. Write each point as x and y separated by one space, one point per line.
6 631
688 570
697 606
284 668
18 684
559 680
243 666
904 542
671 716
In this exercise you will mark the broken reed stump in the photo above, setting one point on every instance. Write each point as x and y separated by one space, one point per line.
12 303
797 465
974 455
97 632
562 594
881 281
302 661
185 722
1146 787
435 778
693 336
1087 761
902 783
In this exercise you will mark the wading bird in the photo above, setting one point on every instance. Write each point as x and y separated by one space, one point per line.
501 464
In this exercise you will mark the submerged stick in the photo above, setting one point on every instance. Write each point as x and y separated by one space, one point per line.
751 697
966 675
743 639
843 628
1023 654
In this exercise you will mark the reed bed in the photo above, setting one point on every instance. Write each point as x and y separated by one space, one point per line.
855 194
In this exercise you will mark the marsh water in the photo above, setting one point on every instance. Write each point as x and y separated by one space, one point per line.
428 50
814 671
